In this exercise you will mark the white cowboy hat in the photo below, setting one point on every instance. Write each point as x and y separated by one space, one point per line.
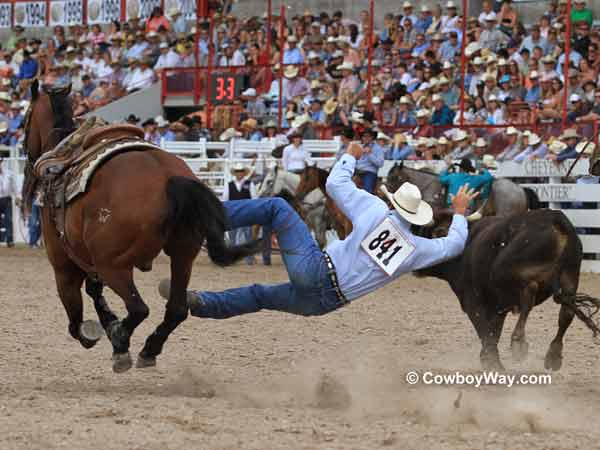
239 167
443 141
381 135
460 135
557 146
534 75
437 98
511 131
250 92
345 66
481 143
376 101
161 122
3 127
405 100
300 120
229 134
571 133
356 117
534 139
290 72
489 161
422 113
408 202
472 48
587 147
447 65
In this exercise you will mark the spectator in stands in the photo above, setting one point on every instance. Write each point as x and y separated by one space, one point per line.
581 13
88 86
491 37
292 55
151 131
512 147
157 20
164 133
294 87
422 128
367 167
536 149
7 192
168 57
569 140
442 114
295 156
254 105
463 148
579 108
141 78
401 148
178 21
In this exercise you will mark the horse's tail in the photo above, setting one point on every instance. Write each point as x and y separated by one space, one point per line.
194 211
533 201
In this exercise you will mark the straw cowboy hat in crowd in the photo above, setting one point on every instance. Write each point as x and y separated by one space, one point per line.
250 124
290 72
556 146
460 135
569 134
300 121
489 161
408 202
330 106
229 134
399 139
534 139
587 147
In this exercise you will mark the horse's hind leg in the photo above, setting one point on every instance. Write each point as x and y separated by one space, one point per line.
120 331
553 359
182 257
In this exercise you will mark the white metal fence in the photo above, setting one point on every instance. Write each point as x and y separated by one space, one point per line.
545 177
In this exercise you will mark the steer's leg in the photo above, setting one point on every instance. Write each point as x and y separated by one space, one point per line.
518 342
553 358
488 325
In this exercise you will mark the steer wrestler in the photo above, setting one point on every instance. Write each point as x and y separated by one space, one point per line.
380 248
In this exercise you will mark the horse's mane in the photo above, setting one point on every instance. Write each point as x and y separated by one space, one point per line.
63 111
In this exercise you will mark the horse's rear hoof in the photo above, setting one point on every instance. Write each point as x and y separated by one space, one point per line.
553 362
145 361
90 332
121 362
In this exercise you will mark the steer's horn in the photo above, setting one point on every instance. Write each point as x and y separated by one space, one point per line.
477 215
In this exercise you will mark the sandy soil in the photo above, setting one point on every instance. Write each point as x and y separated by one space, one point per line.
274 381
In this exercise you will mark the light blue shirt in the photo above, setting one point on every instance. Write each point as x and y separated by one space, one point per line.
539 151
373 161
293 56
357 273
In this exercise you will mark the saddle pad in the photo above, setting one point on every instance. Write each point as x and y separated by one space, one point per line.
111 132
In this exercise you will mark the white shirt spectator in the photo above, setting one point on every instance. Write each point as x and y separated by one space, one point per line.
140 79
170 59
7 183
295 158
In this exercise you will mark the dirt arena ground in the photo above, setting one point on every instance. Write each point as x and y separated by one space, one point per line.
274 381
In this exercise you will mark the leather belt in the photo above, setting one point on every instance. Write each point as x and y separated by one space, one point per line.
342 300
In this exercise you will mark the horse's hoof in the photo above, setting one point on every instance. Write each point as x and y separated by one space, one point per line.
145 361
121 362
519 349
553 362
90 332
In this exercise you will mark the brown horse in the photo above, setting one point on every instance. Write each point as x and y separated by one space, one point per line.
137 203
313 178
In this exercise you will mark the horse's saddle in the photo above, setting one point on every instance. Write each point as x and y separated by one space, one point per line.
66 171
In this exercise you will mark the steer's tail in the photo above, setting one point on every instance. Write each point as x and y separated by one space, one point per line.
533 201
584 306
196 212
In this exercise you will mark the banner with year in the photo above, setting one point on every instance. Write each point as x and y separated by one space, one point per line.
5 15
66 12
30 14
103 11
140 8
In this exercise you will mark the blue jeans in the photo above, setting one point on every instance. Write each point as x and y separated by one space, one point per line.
7 222
34 225
369 181
310 290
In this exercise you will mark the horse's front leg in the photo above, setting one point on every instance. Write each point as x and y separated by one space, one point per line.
120 331
69 282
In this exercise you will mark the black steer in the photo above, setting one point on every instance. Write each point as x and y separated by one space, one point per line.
513 264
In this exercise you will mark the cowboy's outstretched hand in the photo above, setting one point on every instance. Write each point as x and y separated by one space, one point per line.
462 199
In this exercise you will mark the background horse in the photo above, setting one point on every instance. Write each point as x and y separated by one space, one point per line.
312 207
506 197
313 178
137 204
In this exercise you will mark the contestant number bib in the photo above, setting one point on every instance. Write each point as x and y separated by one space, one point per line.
387 246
